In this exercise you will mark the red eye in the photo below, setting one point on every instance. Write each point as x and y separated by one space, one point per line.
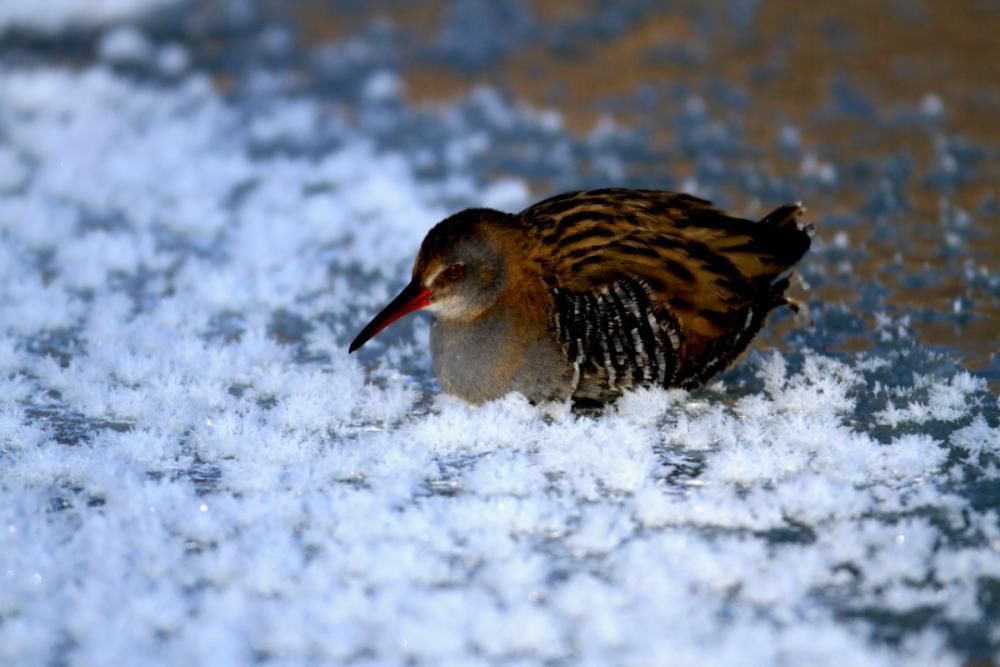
455 271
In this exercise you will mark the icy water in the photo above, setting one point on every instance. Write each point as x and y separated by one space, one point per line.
201 203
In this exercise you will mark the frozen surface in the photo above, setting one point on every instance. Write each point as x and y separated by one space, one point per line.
49 17
193 470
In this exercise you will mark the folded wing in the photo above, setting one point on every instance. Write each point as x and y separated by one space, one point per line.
666 270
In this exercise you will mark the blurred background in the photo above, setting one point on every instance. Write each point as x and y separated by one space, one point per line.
879 116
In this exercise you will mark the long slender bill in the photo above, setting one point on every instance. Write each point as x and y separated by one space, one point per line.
413 297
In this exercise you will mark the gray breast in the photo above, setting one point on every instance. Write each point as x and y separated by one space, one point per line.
490 357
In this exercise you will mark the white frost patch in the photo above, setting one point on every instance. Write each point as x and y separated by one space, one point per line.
125 45
193 466
977 438
382 86
931 105
946 400
55 16
506 195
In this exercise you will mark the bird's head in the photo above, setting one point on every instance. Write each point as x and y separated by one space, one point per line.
458 275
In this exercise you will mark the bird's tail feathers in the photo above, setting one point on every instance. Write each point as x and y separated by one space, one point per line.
788 217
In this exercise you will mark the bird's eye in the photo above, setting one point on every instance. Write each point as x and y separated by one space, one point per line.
455 271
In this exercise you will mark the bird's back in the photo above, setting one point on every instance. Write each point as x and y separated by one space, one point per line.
656 288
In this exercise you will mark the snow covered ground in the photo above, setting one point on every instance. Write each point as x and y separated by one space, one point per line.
55 16
193 470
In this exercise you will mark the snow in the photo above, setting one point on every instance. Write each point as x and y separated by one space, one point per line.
195 471
931 105
382 86
125 45
62 15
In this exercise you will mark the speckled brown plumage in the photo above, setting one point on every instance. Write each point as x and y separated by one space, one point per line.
590 293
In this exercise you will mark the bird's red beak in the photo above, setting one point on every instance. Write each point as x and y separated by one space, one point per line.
413 297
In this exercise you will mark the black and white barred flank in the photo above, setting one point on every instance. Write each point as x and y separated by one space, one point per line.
617 338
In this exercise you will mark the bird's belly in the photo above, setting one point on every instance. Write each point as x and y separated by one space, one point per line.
485 360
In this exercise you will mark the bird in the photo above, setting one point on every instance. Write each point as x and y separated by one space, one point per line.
591 293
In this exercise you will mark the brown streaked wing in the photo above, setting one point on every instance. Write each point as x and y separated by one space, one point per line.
703 265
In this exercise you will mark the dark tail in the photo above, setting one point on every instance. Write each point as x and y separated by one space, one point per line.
787 234
788 238
766 252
